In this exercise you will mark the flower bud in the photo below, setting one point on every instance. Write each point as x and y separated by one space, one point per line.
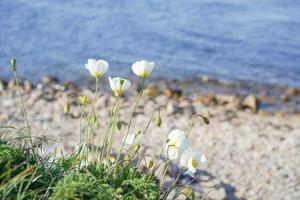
84 100
13 63
150 164
119 125
158 123
67 107
205 120
137 147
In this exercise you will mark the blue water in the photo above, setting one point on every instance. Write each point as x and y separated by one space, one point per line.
229 39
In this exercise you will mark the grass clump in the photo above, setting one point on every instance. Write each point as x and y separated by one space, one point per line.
101 182
12 161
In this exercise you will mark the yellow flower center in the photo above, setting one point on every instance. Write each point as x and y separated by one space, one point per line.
97 75
173 144
144 74
195 163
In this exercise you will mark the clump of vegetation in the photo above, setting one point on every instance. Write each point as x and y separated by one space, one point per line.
101 182
91 171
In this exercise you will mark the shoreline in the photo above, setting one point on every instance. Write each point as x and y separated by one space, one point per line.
269 98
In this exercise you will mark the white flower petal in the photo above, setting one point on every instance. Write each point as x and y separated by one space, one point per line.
176 134
126 85
172 153
119 85
185 157
97 68
143 68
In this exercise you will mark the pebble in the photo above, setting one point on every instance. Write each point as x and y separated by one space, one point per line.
172 108
27 86
152 91
2 88
209 100
251 102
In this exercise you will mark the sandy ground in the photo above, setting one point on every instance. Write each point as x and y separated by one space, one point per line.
250 156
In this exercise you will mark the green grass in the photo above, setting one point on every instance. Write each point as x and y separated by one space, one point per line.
22 177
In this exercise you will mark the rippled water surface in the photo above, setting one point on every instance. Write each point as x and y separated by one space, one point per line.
232 39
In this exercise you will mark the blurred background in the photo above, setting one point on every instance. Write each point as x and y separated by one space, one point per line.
236 61
225 39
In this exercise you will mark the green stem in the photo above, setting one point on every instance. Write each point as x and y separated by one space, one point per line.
108 130
90 115
131 117
113 128
192 122
25 114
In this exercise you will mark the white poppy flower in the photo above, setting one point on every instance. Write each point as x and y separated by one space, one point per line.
192 160
143 68
177 143
119 85
97 67
132 138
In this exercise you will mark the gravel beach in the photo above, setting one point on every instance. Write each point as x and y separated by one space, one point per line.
251 154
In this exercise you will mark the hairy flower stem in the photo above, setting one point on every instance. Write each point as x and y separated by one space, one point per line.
24 112
91 133
113 128
177 177
130 119
205 119
156 162
143 132
108 130
164 174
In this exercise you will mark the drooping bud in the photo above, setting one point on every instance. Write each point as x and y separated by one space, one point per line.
159 121
205 120
137 147
119 125
150 164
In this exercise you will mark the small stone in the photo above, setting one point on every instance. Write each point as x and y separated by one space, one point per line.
172 108
204 79
27 86
1 86
173 93
251 102
11 85
235 103
207 100
152 91
71 86
267 99
284 98
34 96
47 80
161 100
49 94
293 92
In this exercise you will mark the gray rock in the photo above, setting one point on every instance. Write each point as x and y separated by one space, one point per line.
172 108
251 102
47 80
34 96
27 86
2 88
162 100
152 91
11 85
